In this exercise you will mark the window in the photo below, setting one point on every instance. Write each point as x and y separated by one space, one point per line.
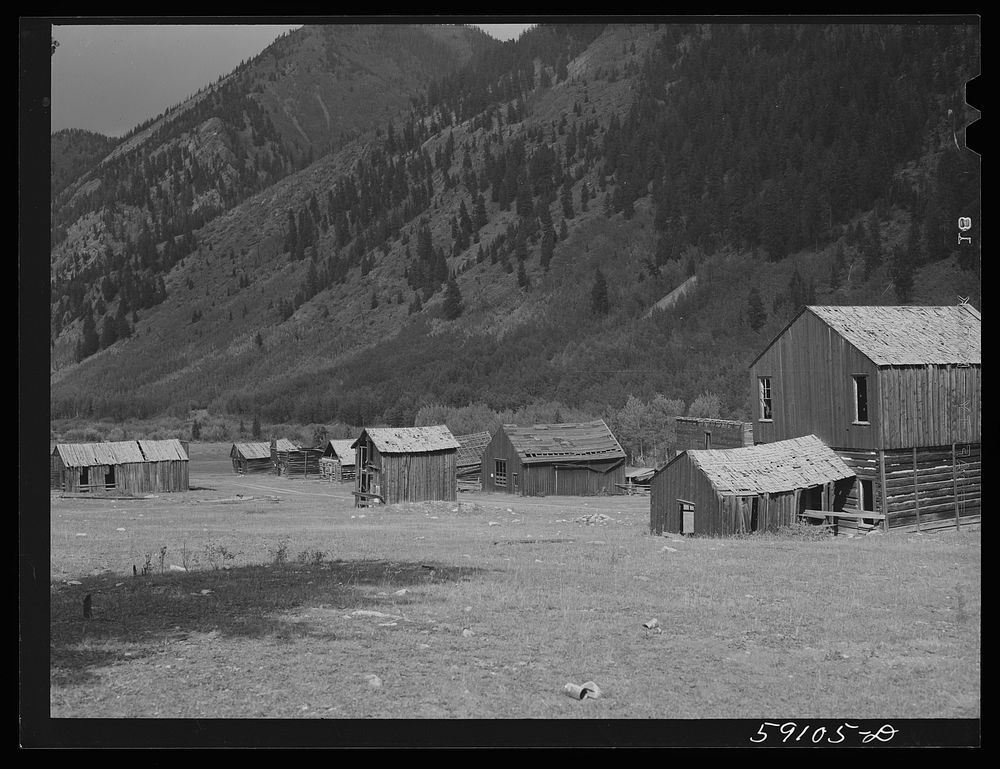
708 440
860 398
500 472
765 398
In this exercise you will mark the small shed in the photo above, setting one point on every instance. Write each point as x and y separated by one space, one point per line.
577 459
702 433
125 467
754 488
470 460
251 458
405 464
337 461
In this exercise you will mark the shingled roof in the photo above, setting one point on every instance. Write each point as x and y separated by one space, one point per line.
409 440
252 450
283 444
566 442
342 449
119 452
797 463
471 447
909 336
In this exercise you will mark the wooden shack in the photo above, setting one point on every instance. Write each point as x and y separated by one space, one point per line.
701 433
720 492
405 464
469 461
896 392
336 464
281 451
249 458
122 467
577 459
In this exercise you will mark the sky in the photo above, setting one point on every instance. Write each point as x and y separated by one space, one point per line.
110 78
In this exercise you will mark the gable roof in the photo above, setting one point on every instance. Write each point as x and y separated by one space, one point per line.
163 451
409 440
342 449
796 463
255 450
905 336
283 444
119 452
566 442
470 449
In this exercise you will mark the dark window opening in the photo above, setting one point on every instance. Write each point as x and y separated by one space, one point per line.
765 397
867 500
708 440
84 476
860 398
109 478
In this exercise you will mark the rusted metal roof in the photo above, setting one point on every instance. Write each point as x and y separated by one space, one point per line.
797 463
258 450
471 447
163 451
342 450
409 440
564 442
120 452
904 336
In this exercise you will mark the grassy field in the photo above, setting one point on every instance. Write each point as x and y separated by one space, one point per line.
295 604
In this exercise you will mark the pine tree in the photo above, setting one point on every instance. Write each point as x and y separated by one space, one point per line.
599 304
756 314
522 277
453 300
255 427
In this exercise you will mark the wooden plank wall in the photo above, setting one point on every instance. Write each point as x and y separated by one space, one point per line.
251 466
545 480
930 405
680 479
418 477
864 464
811 387
930 486
500 447
691 435
302 463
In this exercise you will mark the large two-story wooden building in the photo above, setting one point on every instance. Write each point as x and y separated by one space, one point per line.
895 391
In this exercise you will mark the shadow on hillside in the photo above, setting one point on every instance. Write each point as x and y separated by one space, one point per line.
132 617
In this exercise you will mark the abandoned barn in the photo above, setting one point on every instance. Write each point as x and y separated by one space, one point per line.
469 462
336 464
896 392
570 459
405 464
125 467
701 433
251 458
752 488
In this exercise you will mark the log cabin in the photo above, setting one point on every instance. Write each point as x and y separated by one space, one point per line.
123 467
337 462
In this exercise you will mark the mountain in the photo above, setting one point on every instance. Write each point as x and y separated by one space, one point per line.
485 226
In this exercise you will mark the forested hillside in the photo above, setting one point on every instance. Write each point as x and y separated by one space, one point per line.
497 242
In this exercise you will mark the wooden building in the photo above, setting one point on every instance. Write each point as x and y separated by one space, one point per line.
568 459
896 392
337 461
700 433
123 467
251 458
282 450
720 492
469 462
405 464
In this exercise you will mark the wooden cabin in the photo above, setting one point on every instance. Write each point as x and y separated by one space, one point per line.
404 464
469 462
122 467
720 492
336 464
700 433
896 392
564 459
249 458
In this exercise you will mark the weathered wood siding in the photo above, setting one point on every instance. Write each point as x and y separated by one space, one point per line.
571 479
417 477
500 447
930 405
129 478
812 389
931 485
865 466
682 480
243 466
691 434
